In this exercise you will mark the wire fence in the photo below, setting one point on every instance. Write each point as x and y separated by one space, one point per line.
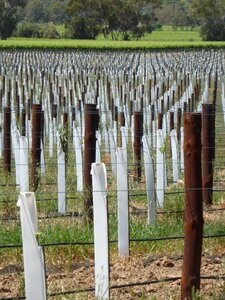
148 86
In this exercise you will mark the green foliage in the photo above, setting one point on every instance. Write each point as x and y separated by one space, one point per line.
44 11
211 14
107 45
27 29
83 28
176 13
84 22
128 18
213 31
35 11
8 16
48 31
156 26
56 9
183 16
167 38
35 30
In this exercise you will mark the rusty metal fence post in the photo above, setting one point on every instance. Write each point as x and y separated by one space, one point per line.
193 218
7 139
138 133
207 152
91 124
36 144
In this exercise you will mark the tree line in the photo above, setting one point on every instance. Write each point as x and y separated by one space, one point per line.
125 19
128 18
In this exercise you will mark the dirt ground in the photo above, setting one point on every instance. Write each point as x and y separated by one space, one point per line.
150 268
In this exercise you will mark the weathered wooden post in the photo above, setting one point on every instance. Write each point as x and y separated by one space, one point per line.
193 219
91 124
7 139
23 122
162 106
171 120
122 124
215 89
54 111
138 133
160 121
185 108
73 114
152 126
36 143
179 114
65 135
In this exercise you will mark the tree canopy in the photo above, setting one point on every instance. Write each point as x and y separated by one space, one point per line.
128 18
45 11
8 10
211 14
123 19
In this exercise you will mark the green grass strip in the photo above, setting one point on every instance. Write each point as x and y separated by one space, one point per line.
61 44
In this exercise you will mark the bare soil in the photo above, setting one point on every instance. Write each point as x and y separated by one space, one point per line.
81 276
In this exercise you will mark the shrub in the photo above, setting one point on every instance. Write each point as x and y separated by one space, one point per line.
35 30
48 31
27 29
83 28
156 26
213 31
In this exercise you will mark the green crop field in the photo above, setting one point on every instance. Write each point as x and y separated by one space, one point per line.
24 43
164 39
167 34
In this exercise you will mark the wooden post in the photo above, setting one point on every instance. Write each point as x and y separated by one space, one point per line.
23 122
65 135
160 121
138 133
178 123
152 115
36 143
185 109
91 120
215 89
7 140
171 120
122 124
193 220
